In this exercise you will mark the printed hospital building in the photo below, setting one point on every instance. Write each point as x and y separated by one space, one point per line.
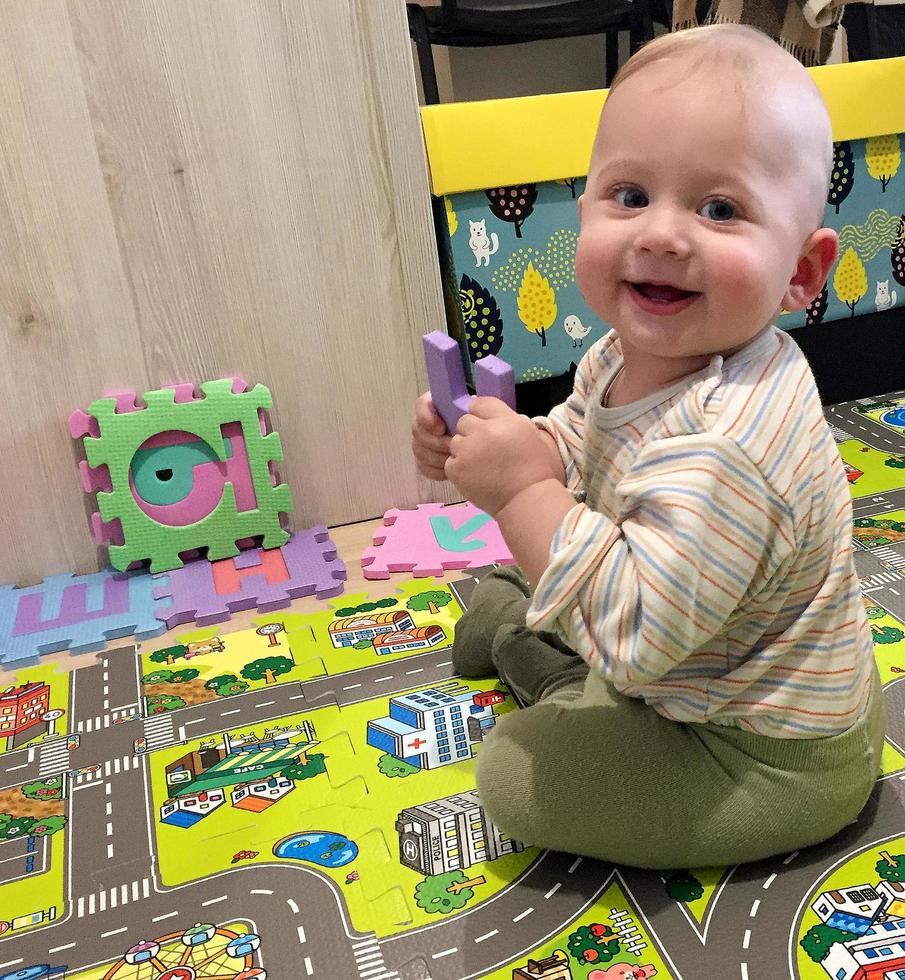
435 727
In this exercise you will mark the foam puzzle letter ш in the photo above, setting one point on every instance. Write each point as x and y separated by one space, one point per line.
76 613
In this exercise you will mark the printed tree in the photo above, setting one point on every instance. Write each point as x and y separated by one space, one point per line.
896 462
393 767
898 256
44 789
683 886
482 319
570 182
850 279
158 677
452 222
315 766
12 826
168 654
429 601
366 607
513 204
48 826
875 612
449 892
843 174
362 644
158 703
536 303
891 867
815 310
226 685
883 156
818 940
215 682
186 674
267 669
887 634
596 943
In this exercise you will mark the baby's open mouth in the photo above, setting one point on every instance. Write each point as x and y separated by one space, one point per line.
661 292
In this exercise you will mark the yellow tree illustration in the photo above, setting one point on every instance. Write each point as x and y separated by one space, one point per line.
536 303
883 156
850 279
451 218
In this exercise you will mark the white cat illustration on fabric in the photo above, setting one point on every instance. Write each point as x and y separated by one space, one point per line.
479 243
884 299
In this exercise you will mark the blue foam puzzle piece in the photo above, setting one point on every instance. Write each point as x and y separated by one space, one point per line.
78 613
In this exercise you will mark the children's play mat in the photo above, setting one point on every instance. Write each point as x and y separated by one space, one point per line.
296 799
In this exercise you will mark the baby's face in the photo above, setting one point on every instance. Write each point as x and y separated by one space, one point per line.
691 223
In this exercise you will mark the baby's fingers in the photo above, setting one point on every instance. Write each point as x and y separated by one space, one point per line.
427 417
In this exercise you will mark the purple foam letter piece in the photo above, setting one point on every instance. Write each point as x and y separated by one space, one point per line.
495 378
446 378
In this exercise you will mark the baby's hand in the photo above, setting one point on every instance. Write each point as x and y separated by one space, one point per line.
430 440
496 453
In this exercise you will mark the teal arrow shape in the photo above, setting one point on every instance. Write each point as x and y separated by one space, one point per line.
453 539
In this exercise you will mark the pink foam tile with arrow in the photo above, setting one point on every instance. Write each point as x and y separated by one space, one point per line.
434 538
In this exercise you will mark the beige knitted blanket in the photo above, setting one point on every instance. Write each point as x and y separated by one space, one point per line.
805 28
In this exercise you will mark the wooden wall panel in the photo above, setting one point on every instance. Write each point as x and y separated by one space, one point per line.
193 190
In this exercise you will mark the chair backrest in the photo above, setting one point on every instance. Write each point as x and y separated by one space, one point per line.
510 171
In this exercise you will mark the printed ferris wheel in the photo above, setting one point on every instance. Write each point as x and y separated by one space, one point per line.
202 952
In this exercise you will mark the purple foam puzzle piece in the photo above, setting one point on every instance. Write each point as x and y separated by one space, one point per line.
446 377
310 561
433 539
78 613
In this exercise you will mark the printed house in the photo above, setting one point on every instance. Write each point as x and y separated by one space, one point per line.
549 968
21 709
420 638
347 632
851 909
893 893
186 811
261 795
878 954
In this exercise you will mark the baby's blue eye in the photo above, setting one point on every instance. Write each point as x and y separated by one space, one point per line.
631 197
718 210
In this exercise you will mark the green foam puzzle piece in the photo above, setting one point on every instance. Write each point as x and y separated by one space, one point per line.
121 435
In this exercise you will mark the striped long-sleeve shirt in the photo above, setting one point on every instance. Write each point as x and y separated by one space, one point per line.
709 568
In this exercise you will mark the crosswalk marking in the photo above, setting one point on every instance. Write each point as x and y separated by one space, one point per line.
369 960
132 891
87 725
158 731
889 557
53 758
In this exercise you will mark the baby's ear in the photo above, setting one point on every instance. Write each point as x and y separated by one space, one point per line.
816 260
580 206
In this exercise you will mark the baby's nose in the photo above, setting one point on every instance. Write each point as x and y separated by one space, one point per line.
663 231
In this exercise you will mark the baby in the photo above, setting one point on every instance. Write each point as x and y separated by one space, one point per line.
686 630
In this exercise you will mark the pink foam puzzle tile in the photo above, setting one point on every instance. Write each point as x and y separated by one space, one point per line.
207 592
432 539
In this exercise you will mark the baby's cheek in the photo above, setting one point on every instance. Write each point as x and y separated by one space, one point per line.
594 271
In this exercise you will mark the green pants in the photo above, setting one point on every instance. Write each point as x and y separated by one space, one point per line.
586 770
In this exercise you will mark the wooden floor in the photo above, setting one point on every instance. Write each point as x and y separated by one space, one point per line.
350 539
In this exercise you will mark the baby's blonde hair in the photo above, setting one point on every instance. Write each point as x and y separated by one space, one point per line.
756 60
722 42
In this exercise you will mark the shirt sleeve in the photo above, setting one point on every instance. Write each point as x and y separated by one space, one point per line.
700 528
566 421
